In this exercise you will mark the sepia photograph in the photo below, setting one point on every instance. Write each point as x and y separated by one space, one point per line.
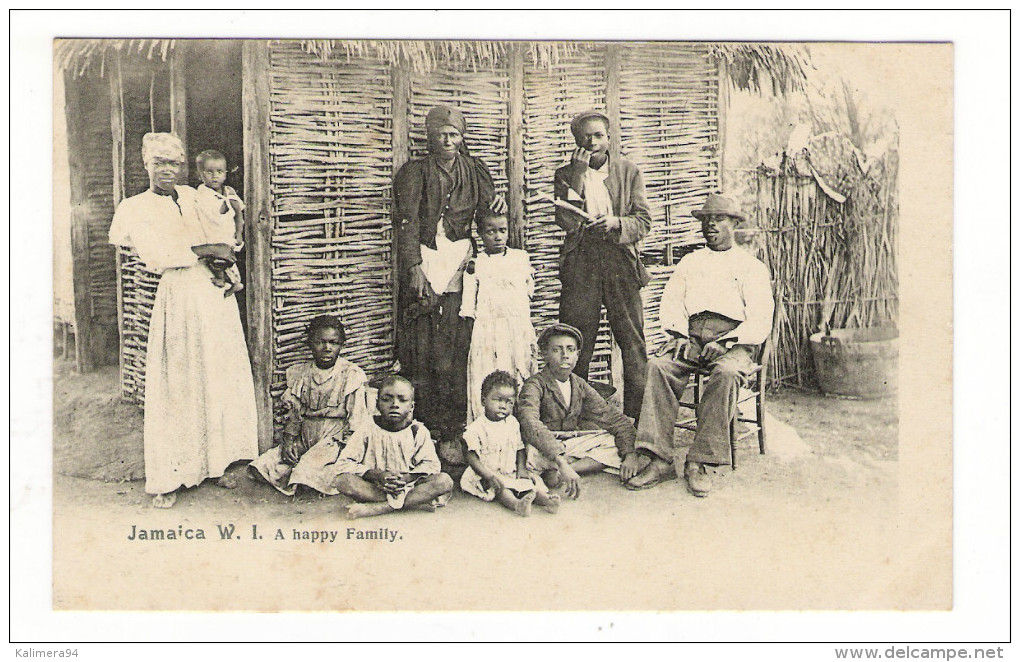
406 325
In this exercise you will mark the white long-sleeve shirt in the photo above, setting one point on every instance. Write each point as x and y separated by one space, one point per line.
161 230
733 283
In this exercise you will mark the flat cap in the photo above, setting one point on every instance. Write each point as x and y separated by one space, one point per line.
559 329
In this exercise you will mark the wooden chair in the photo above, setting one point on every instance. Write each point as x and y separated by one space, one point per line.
755 389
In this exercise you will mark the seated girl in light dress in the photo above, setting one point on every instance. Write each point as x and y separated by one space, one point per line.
497 460
326 398
498 286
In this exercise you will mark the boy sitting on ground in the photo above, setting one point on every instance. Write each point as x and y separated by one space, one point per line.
390 463
569 428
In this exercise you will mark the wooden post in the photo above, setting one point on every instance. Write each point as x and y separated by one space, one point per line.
613 96
724 102
179 106
515 150
613 112
119 188
401 80
79 225
259 230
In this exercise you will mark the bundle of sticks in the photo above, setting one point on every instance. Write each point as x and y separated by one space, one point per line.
573 434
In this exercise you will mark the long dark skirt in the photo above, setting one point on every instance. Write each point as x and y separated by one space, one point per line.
433 344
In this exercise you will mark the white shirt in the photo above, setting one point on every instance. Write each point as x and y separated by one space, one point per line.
596 195
564 390
733 283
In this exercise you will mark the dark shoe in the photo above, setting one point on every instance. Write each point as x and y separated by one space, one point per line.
698 480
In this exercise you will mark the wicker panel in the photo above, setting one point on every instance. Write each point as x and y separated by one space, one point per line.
139 292
554 93
331 173
669 125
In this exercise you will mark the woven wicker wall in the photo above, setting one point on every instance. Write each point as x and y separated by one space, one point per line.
331 173
332 169
553 95
669 126
332 166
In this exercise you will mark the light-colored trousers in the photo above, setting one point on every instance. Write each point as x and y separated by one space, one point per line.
665 384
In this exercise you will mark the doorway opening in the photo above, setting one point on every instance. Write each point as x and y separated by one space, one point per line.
212 69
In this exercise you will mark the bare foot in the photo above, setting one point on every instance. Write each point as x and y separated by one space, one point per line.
656 472
227 482
552 504
164 500
356 510
523 505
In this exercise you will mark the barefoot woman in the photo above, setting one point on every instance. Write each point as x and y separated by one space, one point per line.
199 397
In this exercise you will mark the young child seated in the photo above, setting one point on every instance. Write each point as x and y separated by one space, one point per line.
390 462
570 429
326 398
221 213
496 457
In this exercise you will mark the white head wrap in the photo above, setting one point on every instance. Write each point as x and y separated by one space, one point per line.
163 144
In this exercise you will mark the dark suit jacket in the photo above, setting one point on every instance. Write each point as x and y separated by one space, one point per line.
540 409
627 191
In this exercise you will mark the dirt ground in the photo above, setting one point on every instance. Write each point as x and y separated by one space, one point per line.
818 518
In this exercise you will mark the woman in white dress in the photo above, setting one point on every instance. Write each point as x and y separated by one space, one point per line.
199 396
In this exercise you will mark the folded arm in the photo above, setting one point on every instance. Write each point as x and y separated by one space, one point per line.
594 408
673 314
534 431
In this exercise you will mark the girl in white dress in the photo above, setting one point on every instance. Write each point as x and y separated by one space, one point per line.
199 395
497 460
498 287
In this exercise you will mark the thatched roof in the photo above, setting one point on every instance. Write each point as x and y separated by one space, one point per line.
83 55
751 66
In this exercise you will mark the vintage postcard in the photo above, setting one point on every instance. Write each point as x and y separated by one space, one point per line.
440 210
356 325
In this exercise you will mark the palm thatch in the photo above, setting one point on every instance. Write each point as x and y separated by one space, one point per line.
79 56
424 56
752 66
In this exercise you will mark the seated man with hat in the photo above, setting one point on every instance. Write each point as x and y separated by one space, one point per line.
717 306
568 427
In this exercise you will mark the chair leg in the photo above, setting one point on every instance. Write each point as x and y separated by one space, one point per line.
733 442
760 406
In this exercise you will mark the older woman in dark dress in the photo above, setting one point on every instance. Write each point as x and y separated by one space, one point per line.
437 201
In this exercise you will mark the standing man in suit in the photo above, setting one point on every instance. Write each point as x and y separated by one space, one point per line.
599 260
